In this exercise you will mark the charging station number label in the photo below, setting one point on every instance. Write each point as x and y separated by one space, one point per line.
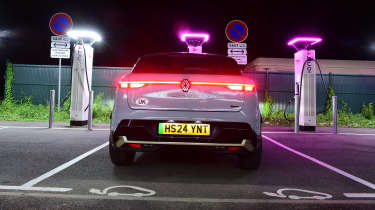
191 129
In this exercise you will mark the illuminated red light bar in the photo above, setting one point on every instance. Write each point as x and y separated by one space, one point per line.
135 145
138 84
231 86
233 148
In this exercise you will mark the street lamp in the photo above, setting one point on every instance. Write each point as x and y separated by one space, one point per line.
85 34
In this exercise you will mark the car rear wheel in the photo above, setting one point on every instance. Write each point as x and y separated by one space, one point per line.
120 157
251 160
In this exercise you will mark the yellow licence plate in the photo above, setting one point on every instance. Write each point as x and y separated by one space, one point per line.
192 129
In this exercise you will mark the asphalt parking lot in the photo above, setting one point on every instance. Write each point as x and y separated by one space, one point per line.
69 168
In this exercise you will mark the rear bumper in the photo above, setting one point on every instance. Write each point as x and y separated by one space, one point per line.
249 115
224 135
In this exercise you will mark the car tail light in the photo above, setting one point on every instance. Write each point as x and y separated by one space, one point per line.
249 87
235 87
131 84
246 87
231 86
138 84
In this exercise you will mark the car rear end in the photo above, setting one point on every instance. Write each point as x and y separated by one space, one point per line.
185 100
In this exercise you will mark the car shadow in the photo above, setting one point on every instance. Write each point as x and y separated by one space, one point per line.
190 166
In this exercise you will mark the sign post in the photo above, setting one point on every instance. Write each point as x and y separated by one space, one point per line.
60 24
237 32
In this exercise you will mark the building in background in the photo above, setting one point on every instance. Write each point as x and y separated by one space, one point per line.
326 65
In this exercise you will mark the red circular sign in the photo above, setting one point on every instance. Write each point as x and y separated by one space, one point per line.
60 23
236 31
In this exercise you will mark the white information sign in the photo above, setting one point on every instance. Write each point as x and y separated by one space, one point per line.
60 52
237 51
241 59
237 45
60 39
60 47
60 44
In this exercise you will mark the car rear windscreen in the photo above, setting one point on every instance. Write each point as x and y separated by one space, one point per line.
187 64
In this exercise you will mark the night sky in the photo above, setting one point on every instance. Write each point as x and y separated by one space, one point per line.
347 29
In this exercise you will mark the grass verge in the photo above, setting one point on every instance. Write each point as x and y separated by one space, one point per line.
345 120
26 111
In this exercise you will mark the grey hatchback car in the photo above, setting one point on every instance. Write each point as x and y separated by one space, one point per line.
186 100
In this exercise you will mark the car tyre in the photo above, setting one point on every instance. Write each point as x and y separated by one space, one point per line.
251 160
121 157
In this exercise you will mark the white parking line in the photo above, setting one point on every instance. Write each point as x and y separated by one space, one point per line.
360 195
42 189
332 168
309 133
288 132
63 166
358 134
185 199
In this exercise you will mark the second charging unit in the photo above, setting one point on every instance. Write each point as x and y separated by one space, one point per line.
305 81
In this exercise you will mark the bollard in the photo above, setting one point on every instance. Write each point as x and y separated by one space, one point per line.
91 100
51 107
296 113
334 114
296 108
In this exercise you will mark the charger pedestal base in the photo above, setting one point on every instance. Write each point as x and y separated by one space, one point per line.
78 123
307 128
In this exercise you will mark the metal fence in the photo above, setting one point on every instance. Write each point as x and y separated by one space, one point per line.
37 80
352 89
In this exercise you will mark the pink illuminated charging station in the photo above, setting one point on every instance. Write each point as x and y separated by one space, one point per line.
305 88
194 41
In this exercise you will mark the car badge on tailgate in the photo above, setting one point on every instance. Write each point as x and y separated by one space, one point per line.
142 101
185 85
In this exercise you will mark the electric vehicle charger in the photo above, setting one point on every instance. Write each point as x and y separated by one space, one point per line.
80 84
300 86
81 67
87 80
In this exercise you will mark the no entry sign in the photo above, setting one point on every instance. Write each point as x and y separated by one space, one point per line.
236 31
60 23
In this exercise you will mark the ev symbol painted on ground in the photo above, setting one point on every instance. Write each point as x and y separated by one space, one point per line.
291 194
109 191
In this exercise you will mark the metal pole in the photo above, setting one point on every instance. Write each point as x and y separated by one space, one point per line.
91 100
51 107
58 92
334 114
296 109
296 113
